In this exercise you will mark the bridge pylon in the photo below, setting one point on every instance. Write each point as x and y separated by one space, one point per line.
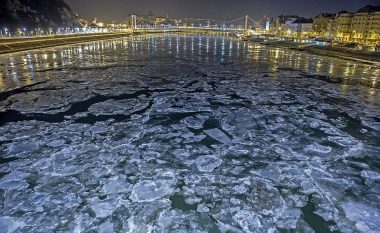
246 24
134 22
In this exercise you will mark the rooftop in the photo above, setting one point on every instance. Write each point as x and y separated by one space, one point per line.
327 15
303 21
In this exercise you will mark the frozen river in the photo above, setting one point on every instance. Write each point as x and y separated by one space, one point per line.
174 133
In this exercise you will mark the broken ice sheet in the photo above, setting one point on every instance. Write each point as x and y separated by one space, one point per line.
218 135
318 149
249 221
40 101
9 224
113 107
22 147
194 122
14 180
365 218
208 163
148 191
116 185
102 208
243 143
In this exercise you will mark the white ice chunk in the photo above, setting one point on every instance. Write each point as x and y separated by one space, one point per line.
248 220
23 148
235 201
289 219
148 191
218 135
193 200
117 186
9 225
366 218
371 175
98 129
193 122
208 163
203 209
314 124
241 188
14 180
106 227
103 209
56 143
317 148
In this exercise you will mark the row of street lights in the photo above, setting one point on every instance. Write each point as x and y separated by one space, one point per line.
24 32
4 32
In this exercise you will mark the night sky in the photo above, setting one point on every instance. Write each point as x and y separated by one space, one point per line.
121 9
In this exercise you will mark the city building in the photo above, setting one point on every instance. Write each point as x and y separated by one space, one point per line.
303 28
283 24
83 22
293 26
343 21
365 25
323 25
362 27
160 19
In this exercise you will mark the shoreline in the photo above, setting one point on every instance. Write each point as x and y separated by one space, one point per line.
12 45
330 51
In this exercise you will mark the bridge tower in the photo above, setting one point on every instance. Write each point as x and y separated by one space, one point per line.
246 23
134 22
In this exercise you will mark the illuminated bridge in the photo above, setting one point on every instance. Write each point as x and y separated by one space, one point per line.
242 25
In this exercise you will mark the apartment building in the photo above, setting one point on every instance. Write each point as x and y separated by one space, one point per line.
361 27
365 25
323 25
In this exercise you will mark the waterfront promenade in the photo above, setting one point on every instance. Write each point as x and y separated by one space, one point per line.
17 44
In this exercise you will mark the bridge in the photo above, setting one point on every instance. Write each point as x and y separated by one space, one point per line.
243 25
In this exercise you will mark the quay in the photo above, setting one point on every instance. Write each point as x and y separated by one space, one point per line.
11 45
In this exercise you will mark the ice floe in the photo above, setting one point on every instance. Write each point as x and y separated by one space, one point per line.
187 141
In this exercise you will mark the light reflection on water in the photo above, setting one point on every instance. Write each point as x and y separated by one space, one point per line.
21 69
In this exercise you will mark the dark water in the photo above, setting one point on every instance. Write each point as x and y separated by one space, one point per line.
181 133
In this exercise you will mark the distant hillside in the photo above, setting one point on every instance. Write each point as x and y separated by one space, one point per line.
369 9
33 14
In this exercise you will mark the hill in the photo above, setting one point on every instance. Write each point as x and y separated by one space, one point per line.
32 14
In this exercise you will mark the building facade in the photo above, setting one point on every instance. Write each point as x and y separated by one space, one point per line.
303 28
365 26
361 27
343 21
283 25
323 25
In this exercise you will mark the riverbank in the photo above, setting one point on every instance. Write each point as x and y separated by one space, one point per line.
340 52
357 55
11 45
